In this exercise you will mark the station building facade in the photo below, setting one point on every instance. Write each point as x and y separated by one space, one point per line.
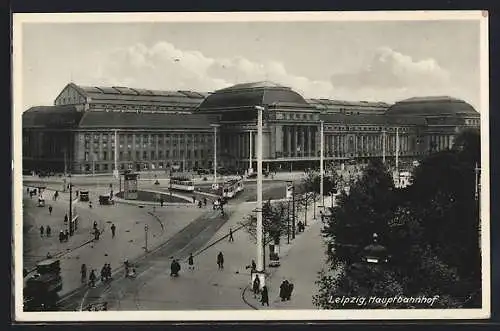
164 130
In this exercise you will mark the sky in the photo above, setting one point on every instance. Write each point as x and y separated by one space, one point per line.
353 60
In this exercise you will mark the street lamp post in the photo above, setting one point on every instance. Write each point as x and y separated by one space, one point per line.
70 207
215 152
383 145
260 229
116 172
146 229
250 153
321 161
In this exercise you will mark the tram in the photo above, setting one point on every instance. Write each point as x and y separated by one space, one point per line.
231 188
182 183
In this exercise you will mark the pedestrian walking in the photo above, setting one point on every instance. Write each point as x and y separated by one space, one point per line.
66 218
92 278
256 286
103 273
200 204
41 231
66 235
175 267
113 229
83 273
289 291
48 231
284 290
254 266
161 202
191 261
127 267
194 199
94 226
108 271
220 260
205 202
61 236
50 210
231 239
264 299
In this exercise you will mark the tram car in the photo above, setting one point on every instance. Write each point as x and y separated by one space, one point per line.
182 183
231 188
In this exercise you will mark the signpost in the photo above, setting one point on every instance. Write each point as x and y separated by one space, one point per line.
146 229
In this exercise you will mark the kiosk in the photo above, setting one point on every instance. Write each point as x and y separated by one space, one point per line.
130 186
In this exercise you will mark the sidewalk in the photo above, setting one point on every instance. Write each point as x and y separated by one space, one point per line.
128 243
300 263
207 287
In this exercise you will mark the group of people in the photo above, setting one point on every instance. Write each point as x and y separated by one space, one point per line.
47 231
286 289
105 274
201 203
63 236
264 294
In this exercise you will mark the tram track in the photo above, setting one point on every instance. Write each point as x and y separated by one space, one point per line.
190 239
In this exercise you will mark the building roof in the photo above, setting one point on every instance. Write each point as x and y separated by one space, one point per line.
252 94
375 119
429 106
146 120
329 103
137 96
51 117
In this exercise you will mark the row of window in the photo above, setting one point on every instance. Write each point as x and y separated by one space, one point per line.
364 128
145 155
139 108
472 122
297 116
97 167
145 138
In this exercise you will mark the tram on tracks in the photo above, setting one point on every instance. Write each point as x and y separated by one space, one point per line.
230 188
182 183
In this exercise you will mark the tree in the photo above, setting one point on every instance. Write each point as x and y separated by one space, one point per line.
360 214
431 232
312 180
274 222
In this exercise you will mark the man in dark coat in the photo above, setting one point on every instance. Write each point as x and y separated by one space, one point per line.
113 229
191 261
92 278
220 260
289 291
284 290
256 286
175 267
264 299
48 231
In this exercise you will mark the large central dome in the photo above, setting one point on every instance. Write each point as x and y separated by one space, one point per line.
252 94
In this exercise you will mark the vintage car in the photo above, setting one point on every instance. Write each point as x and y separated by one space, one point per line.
84 195
106 200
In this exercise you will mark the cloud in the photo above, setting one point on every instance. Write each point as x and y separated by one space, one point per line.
390 76
389 69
